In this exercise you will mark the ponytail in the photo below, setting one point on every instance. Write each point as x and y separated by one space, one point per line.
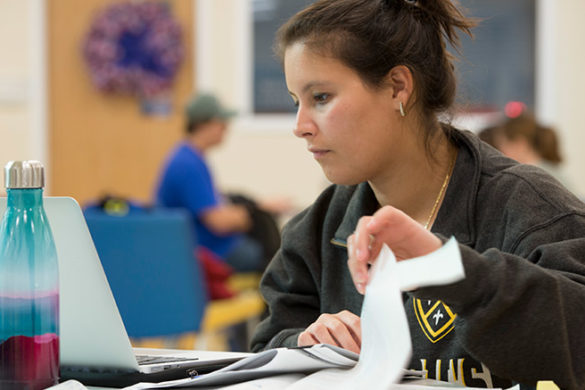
446 17
546 144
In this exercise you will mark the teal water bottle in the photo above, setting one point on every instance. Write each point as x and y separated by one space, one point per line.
29 284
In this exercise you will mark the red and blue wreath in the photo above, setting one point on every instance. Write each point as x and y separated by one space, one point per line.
134 48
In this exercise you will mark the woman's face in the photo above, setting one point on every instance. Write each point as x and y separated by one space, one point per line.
351 130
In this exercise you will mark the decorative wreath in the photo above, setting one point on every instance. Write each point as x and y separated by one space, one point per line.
134 48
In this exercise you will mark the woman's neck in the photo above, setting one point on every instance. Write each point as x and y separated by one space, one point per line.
418 183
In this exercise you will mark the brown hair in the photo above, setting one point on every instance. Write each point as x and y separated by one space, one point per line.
373 36
489 135
543 139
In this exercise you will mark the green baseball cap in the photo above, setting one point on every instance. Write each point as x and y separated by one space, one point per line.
206 106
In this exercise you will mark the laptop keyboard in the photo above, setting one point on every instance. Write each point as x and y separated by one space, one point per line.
150 359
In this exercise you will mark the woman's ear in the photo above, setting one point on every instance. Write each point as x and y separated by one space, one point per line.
402 84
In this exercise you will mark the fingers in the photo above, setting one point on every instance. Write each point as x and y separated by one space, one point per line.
357 269
360 246
342 329
404 236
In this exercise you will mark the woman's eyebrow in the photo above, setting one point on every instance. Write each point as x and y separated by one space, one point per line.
307 87
312 84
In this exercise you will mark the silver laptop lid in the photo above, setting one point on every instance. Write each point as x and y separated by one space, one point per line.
92 333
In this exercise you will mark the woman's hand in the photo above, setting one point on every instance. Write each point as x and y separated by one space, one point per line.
403 235
342 329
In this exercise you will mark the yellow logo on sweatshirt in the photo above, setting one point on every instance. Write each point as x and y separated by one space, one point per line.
434 317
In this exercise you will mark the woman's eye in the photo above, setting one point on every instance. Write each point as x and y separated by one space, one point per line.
321 97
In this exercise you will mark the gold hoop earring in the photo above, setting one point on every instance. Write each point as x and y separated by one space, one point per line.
402 112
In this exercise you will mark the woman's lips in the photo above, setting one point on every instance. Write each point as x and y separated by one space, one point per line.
318 153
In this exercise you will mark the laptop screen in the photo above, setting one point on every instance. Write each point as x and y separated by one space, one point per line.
91 330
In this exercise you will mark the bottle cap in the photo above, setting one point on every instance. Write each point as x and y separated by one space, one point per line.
24 174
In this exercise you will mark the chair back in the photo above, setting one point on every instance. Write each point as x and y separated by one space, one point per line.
149 259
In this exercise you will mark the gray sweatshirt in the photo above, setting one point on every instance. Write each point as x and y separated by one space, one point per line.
519 315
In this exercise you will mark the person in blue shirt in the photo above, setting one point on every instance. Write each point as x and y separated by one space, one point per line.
186 182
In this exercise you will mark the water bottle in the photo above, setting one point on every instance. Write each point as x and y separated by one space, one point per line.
29 284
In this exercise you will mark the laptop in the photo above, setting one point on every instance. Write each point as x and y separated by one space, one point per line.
94 346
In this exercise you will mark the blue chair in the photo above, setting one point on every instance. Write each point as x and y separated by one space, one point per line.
149 260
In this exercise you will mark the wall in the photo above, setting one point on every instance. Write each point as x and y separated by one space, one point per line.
15 125
567 98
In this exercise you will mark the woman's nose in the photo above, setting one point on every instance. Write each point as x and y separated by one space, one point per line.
304 125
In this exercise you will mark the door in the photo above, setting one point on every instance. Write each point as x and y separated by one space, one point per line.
102 143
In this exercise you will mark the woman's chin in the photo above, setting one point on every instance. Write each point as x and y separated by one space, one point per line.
340 179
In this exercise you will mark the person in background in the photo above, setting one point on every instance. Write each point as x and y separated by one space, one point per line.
528 142
370 79
186 182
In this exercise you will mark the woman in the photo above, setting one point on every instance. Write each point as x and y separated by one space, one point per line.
370 78
528 142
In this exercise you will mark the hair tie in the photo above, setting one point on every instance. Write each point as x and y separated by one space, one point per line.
411 2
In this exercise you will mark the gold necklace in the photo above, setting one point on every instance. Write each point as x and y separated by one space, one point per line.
445 182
